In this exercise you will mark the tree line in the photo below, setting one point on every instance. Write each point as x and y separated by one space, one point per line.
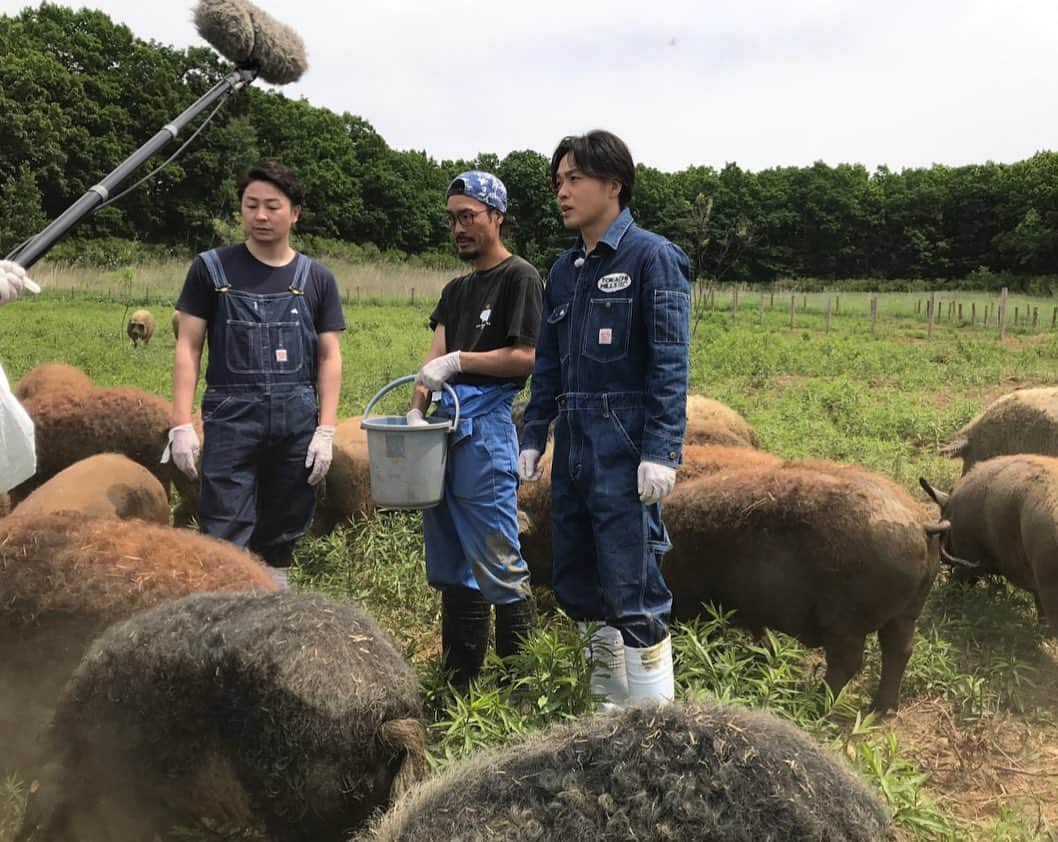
78 93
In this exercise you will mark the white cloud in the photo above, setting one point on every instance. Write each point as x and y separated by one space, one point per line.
763 82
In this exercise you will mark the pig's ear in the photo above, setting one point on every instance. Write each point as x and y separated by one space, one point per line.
938 496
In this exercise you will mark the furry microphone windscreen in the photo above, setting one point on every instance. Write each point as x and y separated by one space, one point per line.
250 37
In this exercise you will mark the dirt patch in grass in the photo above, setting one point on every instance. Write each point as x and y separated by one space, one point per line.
978 767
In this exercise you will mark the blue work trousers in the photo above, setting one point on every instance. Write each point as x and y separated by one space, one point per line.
255 490
607 545
472 535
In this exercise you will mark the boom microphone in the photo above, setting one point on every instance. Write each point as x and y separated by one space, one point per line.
255 41
252 39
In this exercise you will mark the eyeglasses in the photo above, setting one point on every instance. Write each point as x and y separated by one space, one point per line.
464 217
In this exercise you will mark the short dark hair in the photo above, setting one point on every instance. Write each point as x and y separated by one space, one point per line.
599 154
277 174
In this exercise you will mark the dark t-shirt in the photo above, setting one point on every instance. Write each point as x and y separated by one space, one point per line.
487 310
248 274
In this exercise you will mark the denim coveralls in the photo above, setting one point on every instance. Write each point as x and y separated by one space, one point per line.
259 413
611 363
472 535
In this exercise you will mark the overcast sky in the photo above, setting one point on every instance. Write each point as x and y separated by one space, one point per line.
759 82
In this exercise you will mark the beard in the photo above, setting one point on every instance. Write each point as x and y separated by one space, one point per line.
468 254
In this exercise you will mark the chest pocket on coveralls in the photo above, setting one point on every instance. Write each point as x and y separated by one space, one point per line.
260 347
557 320
606 329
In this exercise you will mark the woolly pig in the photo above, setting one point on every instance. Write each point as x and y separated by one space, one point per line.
140 327
51 377
1025 421
712 422
285 710
108 485
826 556
534 498
65 577
1004 516
71 426
696 771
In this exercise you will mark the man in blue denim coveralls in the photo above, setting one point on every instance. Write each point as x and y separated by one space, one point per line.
611 364
485 328
272 317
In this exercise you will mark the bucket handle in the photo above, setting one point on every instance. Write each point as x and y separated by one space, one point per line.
400 381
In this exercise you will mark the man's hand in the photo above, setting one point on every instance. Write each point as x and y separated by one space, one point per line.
183 448
321 451
13 279
415 418
529 465
655 481
438 370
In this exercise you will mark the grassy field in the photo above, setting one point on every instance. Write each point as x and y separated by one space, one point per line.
972 754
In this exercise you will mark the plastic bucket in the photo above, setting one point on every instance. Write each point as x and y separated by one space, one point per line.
407 463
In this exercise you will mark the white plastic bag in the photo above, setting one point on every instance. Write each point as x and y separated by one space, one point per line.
18 457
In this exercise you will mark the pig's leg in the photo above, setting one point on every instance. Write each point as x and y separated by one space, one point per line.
844 658
896 639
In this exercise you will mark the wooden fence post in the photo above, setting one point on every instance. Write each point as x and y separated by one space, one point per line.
837 304
792 306
1035 316
804 304
771 300
1054 318
761 314
1002 313
960 311
358 295
828 314
1015 317
973 312
874 314
931 306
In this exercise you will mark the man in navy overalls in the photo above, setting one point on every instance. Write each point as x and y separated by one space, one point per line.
272 317
485 328
611 365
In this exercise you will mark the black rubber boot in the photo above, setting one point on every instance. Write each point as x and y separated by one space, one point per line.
513 622
464 633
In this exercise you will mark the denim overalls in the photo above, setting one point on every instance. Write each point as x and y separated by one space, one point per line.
472 536
611 364
259 413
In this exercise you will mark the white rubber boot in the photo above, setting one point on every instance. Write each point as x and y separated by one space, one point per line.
605 652
650 673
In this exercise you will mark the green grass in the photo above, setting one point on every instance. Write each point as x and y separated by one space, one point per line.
885 400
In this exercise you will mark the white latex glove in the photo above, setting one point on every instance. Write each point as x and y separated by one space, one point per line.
183 447
438 370
655 481
529 465
321 451
415 418
13 279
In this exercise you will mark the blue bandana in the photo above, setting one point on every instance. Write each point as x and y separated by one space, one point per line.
483 186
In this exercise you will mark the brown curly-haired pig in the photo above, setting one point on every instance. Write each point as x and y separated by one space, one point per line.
51 377
140 327
71 426
107 485
65 577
